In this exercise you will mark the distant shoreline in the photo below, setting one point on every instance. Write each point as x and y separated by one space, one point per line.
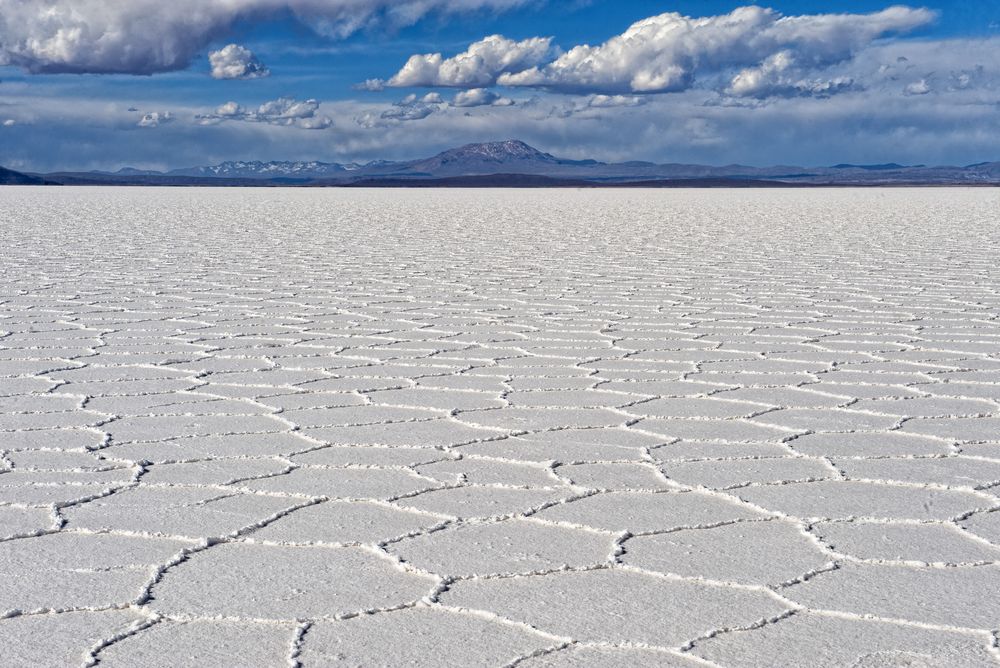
499 181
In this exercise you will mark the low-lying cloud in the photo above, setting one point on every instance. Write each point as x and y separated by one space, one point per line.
480 97
283 111
155 119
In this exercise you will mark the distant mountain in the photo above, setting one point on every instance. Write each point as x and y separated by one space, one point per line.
494 152
256 169
515 162
511 156
9 177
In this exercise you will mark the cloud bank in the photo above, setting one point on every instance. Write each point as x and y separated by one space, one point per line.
763 52
149 36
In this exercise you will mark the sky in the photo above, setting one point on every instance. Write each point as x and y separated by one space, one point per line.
163 84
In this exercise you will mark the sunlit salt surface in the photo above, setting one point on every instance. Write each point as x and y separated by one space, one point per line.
276 427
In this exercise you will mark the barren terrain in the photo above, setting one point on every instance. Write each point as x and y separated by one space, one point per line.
534 428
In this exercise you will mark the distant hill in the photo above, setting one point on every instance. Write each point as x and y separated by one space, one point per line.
874 168
503 160
9 177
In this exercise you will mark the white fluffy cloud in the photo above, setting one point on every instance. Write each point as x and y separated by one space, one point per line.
147 36
597 106
236 62
413 98
409 112
670 52
480 97
155 119
919 87
609 101
778 75
283 111
371 85
478 66
410 108
416 107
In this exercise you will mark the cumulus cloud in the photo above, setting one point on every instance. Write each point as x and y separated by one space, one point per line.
478 66
148 36
670 52
155 119
779 76
413 98
411 112
480 97
230 110
312 123
236 62
608 101
283 111
286 108
9 123
371 85
919 87
413 107
597 105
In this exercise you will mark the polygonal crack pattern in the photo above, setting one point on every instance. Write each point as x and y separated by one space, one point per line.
681 428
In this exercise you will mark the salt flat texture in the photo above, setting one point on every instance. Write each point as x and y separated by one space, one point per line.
458 428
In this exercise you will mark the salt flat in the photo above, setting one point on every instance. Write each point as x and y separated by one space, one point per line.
544 428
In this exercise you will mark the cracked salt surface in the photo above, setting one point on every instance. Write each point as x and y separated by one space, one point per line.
684 428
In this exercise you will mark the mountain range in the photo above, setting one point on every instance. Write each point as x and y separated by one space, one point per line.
9 177
515 163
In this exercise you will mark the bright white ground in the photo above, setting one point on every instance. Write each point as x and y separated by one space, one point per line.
461 428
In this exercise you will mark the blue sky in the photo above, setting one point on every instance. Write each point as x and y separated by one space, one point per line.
90 84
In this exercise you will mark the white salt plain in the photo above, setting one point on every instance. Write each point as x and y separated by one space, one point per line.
539 428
